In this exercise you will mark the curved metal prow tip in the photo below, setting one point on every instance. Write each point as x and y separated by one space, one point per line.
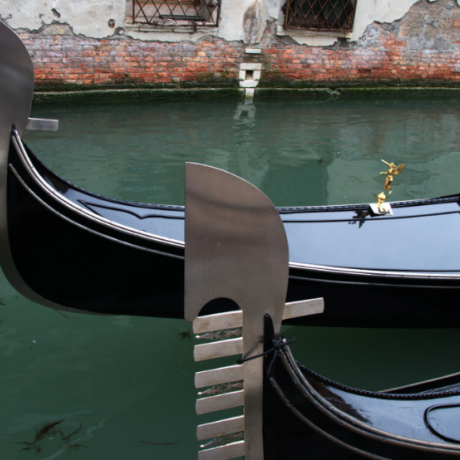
16 82
235 246
16 91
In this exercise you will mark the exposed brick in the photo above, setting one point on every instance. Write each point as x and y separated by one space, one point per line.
392 55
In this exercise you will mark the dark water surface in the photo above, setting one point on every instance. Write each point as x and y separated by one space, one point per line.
129 380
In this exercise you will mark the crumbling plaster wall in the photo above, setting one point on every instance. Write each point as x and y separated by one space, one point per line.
421 49
86 17
367 12
90 18
72 46
241 20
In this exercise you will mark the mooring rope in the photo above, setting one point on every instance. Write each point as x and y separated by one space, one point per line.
278 343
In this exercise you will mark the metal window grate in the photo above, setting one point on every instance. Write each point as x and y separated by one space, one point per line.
320 15
177 13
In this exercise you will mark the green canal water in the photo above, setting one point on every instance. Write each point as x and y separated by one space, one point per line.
128 381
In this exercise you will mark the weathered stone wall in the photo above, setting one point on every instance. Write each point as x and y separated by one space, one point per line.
421 48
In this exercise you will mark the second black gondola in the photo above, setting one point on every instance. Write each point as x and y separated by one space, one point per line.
309 416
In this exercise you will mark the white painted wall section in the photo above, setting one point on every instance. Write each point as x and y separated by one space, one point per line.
86 17
244 20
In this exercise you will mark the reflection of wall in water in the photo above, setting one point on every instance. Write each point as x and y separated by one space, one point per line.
298 152
247 161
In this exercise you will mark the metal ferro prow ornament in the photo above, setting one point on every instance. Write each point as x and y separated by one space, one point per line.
235 248
16 91
380 207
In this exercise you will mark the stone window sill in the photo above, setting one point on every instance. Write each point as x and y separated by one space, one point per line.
174 29
282 32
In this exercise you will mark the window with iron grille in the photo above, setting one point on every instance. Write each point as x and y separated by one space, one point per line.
177 13
320 15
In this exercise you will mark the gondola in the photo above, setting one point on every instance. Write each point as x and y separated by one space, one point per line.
289 411
71 249
309 416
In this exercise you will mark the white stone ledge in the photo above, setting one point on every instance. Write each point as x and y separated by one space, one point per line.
248 84
251 66
145 28
311 37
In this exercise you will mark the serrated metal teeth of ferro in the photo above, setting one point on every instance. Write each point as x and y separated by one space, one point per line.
224 386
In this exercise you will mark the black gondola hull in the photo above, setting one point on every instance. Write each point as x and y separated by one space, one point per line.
73 267
83 264
308 416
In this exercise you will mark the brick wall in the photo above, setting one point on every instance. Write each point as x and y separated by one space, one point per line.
421 49
67 60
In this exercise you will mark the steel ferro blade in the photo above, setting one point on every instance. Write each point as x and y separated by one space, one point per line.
236 248
16 91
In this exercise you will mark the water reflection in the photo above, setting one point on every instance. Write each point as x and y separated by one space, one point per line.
248 161
298 152
246 112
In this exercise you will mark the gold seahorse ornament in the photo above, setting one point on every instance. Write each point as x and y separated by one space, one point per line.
393 170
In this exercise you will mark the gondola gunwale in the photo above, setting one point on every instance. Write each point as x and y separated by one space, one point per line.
69 215
424 385
370 273
454 198
360 273
163 207
377 279
41 183
83 227
349 422
374 218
